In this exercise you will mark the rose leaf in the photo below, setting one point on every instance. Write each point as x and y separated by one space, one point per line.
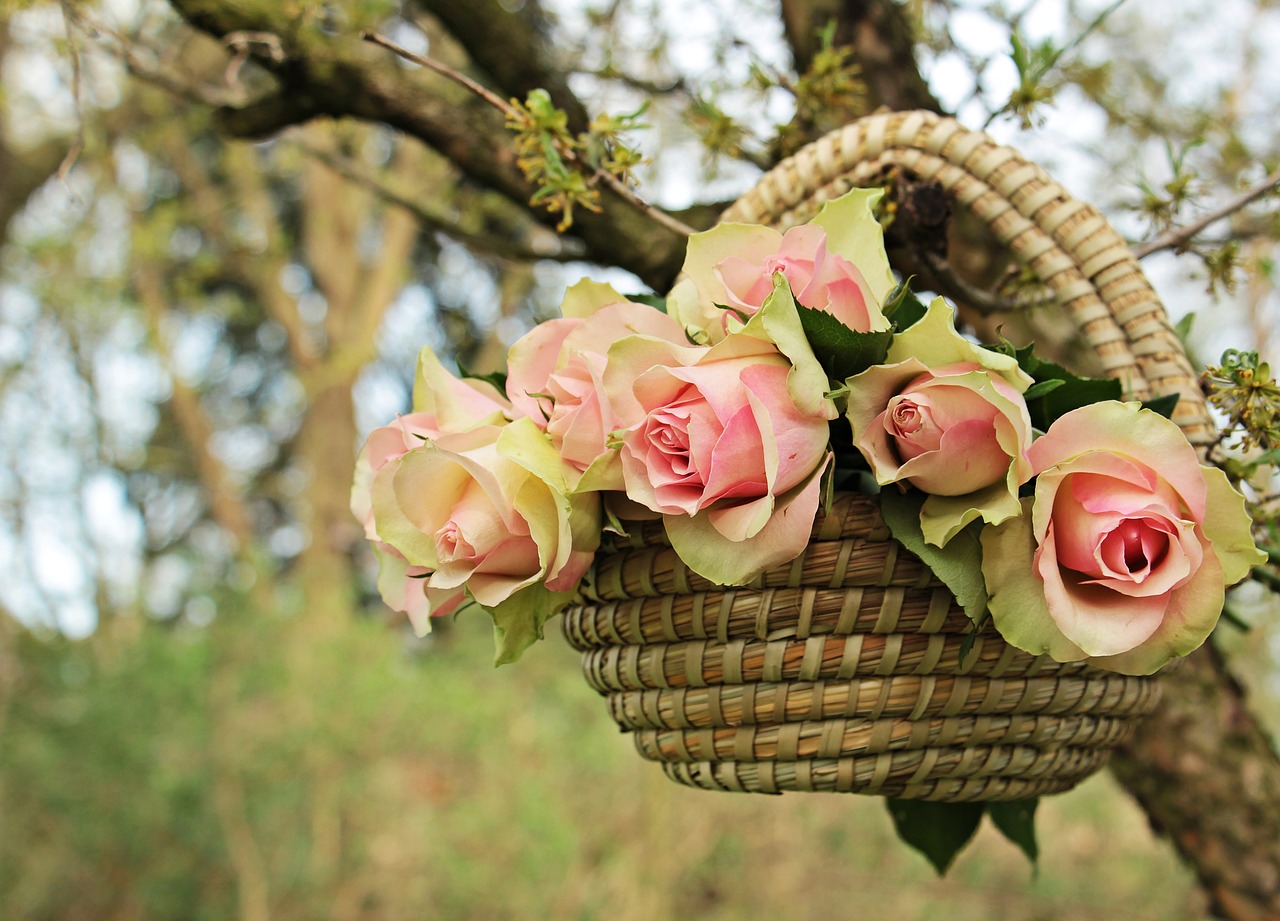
939 831
958 565
841 351
902 306
1016 820
1164 405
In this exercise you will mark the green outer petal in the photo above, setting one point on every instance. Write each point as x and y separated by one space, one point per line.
708 249
854 233
943 517
528 446
604 475
432 386
778 322
394 526
557 521
1227 526
933 339
517 622
726 562
686 308
585 297
1016 594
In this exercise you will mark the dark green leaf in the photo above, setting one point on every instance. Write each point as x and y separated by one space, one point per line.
1037 390
497 378
1074 393
841 351
902 306
966 644
1047 405
958 565
1017 822
1163 405
653 300
937 830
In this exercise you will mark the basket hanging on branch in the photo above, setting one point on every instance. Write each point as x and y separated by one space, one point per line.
806 535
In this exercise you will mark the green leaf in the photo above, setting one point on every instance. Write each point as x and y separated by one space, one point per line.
966 644
518 621
1163 405
497 378
1016 820
1065 391
1183 327
652 300
958 565
1074 393
939 831
841 351
902 306
1042 388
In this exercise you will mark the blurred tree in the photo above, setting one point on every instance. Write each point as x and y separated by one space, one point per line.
240 217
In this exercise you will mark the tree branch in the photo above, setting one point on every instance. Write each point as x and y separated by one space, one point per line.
425 215
1178 237
511 47
883 42
324 75
1208 777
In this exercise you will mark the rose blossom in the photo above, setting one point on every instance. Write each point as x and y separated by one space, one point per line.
715 442
489 509
1128 547
947 417
556 374
445 404
835 264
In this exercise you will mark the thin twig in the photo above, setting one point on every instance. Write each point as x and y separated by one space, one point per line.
608 179
984 302
348 169
69 21
1178 237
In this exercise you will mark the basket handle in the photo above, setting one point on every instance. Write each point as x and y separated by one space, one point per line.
1070 247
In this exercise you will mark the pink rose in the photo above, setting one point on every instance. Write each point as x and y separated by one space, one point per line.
949 432
489 510
836 264
819 280
950 421
556 378
716 444
1128 548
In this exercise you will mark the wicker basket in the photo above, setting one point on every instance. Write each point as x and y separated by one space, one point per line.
843 671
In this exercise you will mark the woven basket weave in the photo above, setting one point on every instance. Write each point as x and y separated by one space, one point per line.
842 671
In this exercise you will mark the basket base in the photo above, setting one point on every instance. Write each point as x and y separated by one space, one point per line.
903 775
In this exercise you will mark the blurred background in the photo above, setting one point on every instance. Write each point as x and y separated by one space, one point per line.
209 294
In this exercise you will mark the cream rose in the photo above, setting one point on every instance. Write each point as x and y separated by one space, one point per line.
444 404
1127 547
489 510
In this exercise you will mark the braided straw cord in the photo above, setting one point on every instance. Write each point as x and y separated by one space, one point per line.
1067 243
852 669
844 671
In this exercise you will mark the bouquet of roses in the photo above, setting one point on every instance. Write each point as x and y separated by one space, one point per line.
780 368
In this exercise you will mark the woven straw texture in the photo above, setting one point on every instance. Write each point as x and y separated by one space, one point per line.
843 671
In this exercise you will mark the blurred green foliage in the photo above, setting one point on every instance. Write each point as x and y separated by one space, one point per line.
381 777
